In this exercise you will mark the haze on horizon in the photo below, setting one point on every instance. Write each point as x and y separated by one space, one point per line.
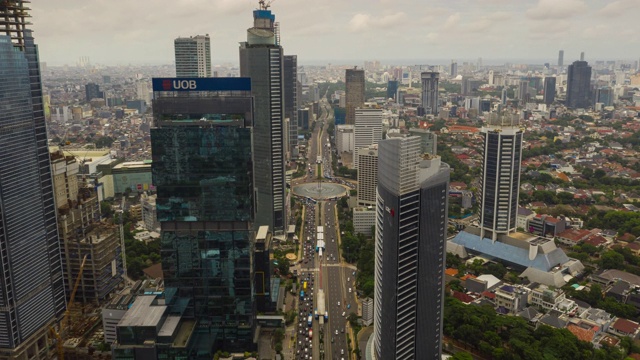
338 31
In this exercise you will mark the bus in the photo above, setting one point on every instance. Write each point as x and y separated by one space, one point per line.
304 286
301 294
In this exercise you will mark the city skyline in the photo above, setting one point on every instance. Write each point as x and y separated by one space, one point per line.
528 30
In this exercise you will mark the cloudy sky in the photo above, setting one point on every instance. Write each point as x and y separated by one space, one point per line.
342 31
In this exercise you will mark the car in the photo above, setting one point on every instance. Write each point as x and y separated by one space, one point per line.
348 279
344 312
338 303
348 306
336 331
349 290
341 351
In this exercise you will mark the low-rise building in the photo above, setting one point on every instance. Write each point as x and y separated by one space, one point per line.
572 237
364 220
513 298
624 327
546 297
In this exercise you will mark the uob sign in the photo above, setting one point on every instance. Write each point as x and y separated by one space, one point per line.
184 84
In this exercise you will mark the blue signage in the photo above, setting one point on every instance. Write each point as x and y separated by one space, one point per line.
202 84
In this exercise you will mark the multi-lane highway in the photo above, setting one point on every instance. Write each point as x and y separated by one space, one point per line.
326 271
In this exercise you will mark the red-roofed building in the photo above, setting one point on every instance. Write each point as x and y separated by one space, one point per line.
488 295
451 272
596 241
627 237
457 185
581 333
634 247
465 298
624 327
572 237
463 129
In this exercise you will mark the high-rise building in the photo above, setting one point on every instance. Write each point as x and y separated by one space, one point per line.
549 89
203 170
392 89
410 236
454 69
561 58
261 60
367 174
429 140
193 56
82 233
582 56
503 96
354 92
500 182
579 85
31 283
605 96
430 91
367 129
92 91
523 90
290 66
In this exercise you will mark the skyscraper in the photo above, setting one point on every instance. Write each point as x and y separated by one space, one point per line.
549 89
367 129
454 69
92 91
261 60
582 56
193 56
430 91
579 85
31 282
203 169
290 64
367 174
561 58
392 89
500 183
411 229
354 93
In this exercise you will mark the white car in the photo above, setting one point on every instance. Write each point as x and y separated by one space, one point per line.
338 303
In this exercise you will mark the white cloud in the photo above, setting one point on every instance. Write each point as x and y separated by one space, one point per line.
361 22
451 21
557 9
619 7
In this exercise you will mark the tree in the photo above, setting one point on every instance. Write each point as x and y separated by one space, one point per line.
612 260
462 355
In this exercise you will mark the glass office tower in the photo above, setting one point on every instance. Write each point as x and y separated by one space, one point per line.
203 170
411 231
31 283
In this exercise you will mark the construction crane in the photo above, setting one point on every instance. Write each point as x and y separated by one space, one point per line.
59 335
264 4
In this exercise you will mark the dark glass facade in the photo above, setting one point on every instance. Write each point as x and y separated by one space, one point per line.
31 282
203 171
410 254
262 61
579 85
549 89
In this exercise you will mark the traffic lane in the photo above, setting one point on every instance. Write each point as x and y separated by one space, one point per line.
338 323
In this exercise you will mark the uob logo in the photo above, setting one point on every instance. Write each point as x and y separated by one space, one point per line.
184 84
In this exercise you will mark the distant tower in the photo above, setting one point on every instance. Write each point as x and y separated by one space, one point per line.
549 89
561 58
261 59
32 293
582 56
410 237
354 92
367 129
503 96
430 91
579 85
454 69
500 183
193 56
367 174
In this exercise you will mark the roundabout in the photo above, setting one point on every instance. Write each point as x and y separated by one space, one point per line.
320 191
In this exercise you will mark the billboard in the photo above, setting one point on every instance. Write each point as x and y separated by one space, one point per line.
201 84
